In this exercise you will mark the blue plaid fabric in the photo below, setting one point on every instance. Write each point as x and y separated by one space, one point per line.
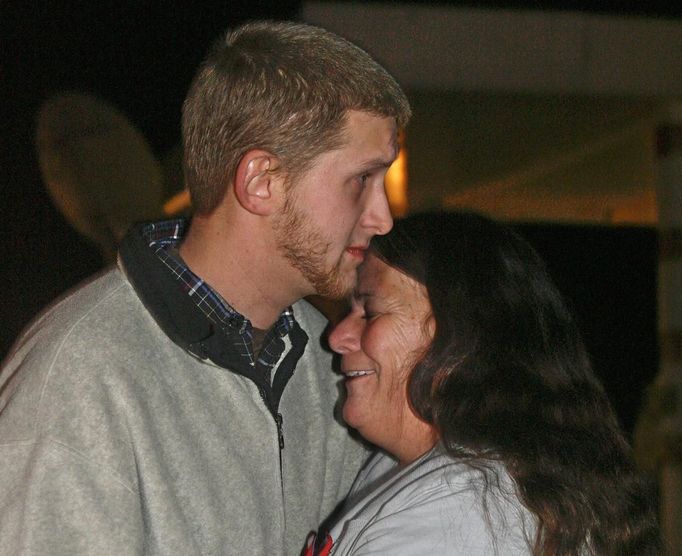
163 238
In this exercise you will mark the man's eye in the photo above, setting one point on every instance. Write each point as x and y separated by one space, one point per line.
363 179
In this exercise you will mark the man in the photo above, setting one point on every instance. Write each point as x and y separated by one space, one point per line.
181 403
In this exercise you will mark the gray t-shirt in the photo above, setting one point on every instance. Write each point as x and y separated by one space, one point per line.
436 505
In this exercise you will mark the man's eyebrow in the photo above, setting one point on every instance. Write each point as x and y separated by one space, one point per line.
380 162
375 164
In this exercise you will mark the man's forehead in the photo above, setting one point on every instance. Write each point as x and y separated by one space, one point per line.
356 121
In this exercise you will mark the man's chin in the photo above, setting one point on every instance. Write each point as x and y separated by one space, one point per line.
343 289
337 284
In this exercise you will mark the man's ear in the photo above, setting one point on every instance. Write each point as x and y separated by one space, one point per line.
256 183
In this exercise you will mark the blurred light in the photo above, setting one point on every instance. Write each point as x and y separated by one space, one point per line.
177 203
396 182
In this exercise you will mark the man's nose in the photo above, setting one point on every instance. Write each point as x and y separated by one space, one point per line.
378 214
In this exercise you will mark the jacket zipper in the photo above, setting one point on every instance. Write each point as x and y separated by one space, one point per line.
280 432
279 422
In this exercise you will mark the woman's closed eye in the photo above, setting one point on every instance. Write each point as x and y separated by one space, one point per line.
370 313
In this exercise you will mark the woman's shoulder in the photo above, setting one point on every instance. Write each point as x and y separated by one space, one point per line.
382 467
435 471
378 469
459 475
443 504
439 479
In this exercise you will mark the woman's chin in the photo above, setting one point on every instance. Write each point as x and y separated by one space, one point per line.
347 414
353 415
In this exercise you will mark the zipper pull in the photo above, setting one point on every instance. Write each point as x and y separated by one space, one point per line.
280 432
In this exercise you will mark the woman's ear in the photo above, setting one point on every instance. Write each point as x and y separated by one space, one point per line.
256 184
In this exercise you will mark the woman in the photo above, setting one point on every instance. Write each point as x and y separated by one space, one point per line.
462 362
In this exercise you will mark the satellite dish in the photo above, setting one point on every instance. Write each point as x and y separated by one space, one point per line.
98 168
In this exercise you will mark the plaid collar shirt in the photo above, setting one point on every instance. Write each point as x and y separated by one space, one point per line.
163 238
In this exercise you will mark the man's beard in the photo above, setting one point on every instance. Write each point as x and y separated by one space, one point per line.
305 248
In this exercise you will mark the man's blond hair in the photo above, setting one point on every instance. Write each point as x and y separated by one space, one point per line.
282 87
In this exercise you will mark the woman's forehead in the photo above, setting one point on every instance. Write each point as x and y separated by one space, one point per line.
373 275
378 279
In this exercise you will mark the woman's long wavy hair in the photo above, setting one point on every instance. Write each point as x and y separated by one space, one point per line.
507 378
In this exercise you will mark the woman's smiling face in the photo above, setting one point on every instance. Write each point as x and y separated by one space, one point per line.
384 335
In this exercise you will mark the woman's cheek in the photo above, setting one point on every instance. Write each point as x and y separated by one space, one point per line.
380 344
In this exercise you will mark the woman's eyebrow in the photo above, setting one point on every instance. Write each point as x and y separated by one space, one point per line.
361 295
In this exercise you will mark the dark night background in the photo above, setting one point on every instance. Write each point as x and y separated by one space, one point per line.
141 57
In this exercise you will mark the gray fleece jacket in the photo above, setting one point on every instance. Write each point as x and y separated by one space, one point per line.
115 440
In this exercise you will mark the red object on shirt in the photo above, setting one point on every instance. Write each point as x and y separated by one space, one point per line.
322 550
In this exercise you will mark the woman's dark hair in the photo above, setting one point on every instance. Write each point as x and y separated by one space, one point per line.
507 378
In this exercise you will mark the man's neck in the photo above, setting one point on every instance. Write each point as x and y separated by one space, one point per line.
240 262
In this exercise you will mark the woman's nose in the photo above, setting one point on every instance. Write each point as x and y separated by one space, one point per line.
345 336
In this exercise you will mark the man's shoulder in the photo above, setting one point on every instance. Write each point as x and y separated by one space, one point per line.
87 303
58 339
90 292
69 341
